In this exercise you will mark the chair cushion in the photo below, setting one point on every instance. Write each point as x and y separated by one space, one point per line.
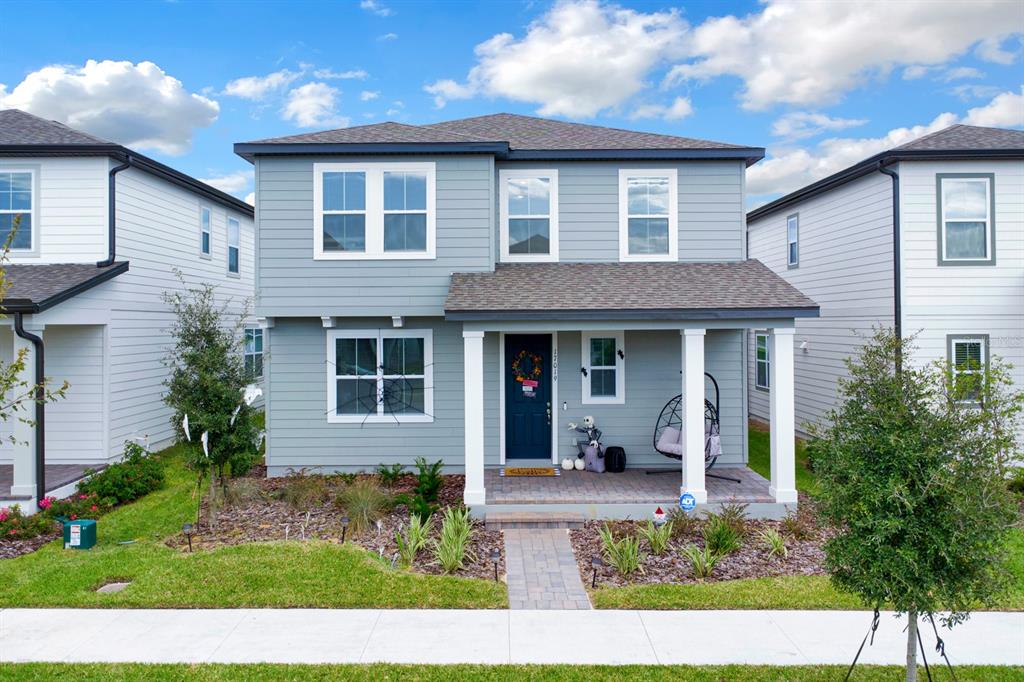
670 441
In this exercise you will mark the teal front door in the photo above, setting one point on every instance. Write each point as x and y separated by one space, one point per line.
528 396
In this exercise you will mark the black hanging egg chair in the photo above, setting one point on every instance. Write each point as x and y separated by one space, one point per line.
667 439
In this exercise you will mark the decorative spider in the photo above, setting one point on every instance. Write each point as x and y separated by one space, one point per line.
395 394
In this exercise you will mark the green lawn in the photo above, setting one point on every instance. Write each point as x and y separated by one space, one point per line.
292 574
759 452
45 672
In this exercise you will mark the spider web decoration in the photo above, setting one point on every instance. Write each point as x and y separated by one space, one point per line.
394 393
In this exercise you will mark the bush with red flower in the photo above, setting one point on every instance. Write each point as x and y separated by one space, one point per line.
14 525
78 506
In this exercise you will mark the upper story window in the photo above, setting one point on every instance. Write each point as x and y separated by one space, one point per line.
762 362
205 222
648 215
17 207
793 240
968 360
604 368
234 244
966 231
529 215
254 351
373 211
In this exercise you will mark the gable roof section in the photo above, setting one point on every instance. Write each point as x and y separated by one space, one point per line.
668 291
509 136
34 288
957 142
24 134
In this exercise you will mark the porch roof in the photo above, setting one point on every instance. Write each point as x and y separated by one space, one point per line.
613 291
35 287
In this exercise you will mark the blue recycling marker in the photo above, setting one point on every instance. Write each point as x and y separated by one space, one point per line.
687 502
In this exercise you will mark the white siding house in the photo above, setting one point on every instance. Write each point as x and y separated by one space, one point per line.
98 311
955 282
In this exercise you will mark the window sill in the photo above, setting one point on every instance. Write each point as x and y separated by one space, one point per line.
961 262
604 401
763 389
531 258
373 257
647 258
379 419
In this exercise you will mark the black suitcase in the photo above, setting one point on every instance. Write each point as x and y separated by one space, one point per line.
614 460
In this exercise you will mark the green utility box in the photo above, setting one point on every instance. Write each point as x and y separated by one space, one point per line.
79 534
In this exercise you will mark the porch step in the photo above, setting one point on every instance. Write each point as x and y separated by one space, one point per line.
553 519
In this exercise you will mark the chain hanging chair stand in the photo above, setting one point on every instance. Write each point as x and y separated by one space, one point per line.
668 433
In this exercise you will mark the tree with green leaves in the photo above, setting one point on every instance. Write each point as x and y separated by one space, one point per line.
911 474
207 382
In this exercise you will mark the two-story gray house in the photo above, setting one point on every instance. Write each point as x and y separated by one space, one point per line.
465 290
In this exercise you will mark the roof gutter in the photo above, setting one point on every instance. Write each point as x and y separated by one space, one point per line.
40 401
112 212
896 275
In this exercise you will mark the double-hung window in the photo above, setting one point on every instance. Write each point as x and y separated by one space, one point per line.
234 245
529 215
793 240
380 376
648 215
205 221
966 231
254 351
968 360
762 362
17 208
373 211
604 368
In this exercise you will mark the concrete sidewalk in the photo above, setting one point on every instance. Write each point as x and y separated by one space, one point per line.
414 636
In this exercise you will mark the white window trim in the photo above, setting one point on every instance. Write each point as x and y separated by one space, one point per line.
767 360
205 254
245 351
793 242
551 175
374 210
380 334
237 247
33 214
988 220
620 368
673 214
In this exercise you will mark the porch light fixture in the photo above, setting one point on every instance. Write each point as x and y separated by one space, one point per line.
495 558
596 563
583 371
622 356
188 529
344 528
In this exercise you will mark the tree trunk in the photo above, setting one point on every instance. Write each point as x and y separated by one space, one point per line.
912 646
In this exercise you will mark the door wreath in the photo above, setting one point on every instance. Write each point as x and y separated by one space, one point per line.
535 371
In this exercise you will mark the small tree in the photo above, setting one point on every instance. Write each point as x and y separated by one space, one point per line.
208 380
911 473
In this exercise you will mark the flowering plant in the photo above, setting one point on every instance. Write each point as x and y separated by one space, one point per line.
77 506
14 525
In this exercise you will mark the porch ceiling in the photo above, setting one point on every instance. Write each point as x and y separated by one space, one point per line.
617 291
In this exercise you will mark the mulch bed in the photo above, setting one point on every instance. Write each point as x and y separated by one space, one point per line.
263 517
11 549
805 557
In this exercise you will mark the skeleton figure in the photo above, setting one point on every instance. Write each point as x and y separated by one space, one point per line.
589 428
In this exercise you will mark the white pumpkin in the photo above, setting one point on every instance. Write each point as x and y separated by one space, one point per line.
567 464
580 464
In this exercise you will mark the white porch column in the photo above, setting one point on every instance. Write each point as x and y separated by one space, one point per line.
25 434
783 449
473 346
693 415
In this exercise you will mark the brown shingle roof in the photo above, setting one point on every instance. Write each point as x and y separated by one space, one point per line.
964 137
19 127
388 132
34 288
616 290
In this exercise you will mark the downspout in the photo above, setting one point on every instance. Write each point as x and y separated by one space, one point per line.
111 208
897 294
40 400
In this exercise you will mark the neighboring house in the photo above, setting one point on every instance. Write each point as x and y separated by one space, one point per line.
949 269
464 290
101 230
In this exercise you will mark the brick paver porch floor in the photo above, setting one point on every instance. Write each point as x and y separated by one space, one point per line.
633 486
542 572
57 476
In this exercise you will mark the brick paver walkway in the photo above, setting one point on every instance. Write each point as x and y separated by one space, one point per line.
542 571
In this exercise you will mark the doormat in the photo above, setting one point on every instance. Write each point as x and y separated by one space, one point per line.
530 471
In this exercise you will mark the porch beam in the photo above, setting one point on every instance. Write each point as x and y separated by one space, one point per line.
473 349
547 326
693 415
782 415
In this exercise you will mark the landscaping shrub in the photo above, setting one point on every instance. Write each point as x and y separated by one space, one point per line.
242 491
138 473
702 561
78 506
450 549
428 479
624 553
302 491
364 503
773 541
14 525
657 536
1016 482
683 523
412 541
390 474
735 515
720 537
797 527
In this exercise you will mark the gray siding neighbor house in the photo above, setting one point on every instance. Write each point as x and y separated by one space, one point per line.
466 290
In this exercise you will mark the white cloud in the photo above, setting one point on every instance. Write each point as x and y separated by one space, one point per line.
800 124
969 91
790 168
915 71
250 198
1005 110
367 95
680 108
811 53
312 105
352 74
137 105
992 50
232 183
961 73
388 36
258 87
375 7
578 59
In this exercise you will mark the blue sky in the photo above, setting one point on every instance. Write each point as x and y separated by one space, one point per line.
821 85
